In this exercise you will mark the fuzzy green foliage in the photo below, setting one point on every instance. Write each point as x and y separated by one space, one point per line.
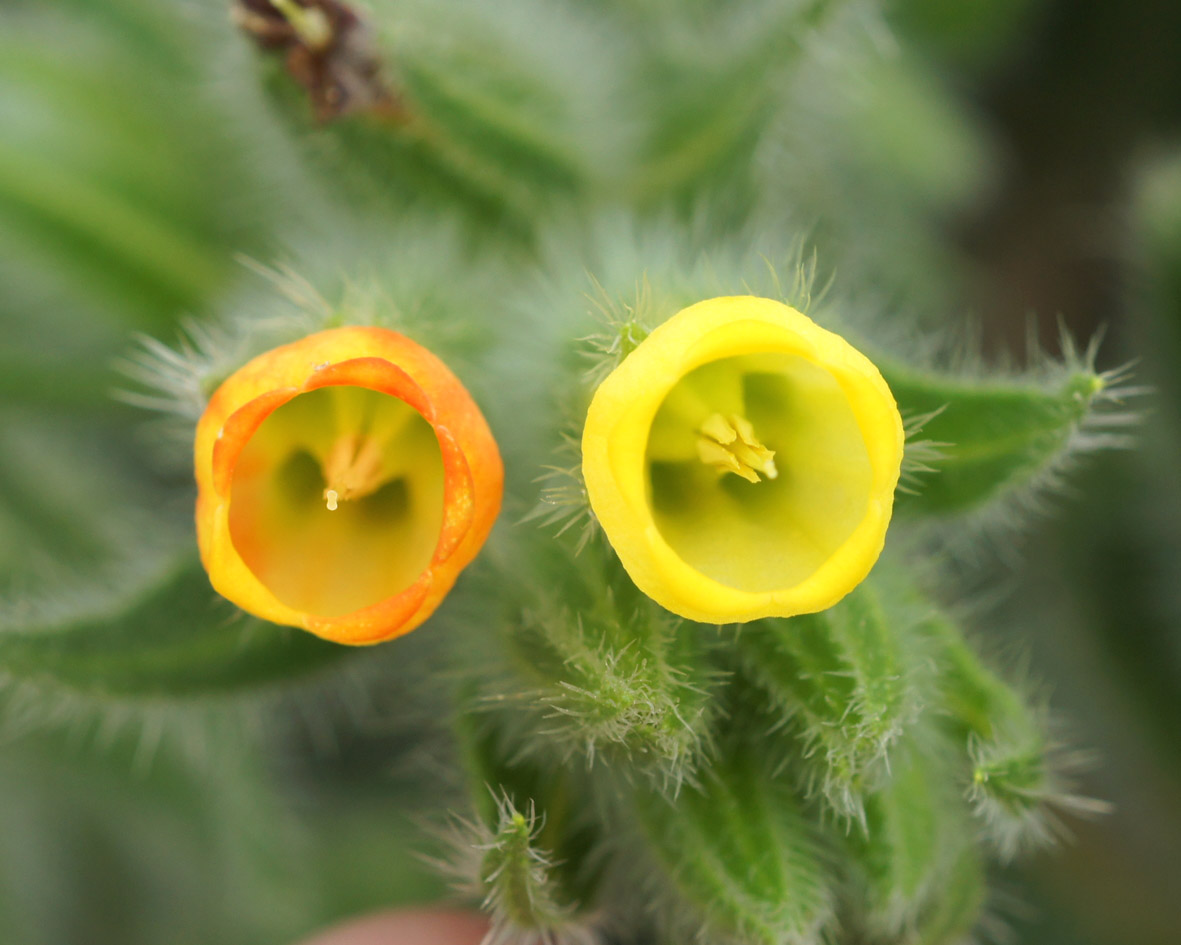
1013 783
543 185
605 674
473 119
841 679
915 836
740 855
54 527
710 95
174 641
634 700
992 438
864 714
108 204
516 879
547 850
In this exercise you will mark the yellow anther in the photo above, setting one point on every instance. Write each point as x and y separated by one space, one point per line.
729 444
352 470
720 429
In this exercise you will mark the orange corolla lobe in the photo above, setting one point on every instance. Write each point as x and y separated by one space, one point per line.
343 482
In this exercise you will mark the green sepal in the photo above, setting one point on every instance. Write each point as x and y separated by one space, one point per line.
842 677
177 640
505 782
639 702
917 831
1002 742
988 439
604 675
743 862
516 875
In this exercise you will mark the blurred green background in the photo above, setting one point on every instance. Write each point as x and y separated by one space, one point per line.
996 161
1085 100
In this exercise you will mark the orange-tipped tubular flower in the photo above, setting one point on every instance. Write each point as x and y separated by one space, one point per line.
742 462
343 482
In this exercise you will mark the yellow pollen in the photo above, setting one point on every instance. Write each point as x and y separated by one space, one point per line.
729 443
352 470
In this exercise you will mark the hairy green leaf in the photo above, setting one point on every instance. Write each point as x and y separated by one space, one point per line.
118 194
177 640
990 438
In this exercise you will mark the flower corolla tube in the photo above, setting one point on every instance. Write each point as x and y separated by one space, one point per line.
742 462
343 481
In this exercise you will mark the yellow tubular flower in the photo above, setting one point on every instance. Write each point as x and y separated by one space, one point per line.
742 462
343 482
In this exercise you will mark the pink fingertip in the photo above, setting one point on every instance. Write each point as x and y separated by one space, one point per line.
421 927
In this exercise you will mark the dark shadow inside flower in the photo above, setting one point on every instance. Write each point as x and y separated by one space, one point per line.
389 505
300 478
336 502
758 471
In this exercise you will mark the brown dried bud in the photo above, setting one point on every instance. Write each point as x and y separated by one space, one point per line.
328 49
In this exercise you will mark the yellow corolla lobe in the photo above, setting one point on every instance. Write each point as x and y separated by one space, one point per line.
742 462
343 481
